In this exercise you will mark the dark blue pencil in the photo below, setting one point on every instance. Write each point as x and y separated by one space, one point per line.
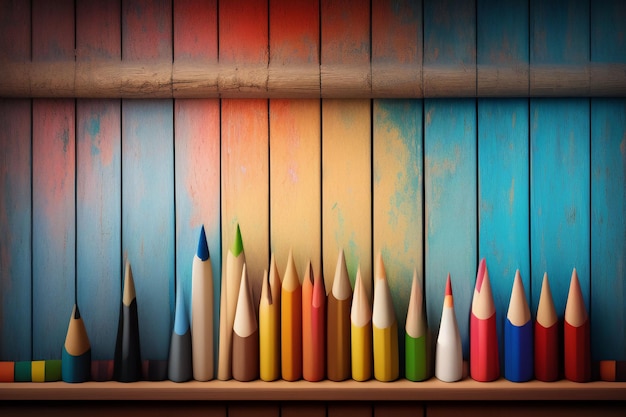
76 355
518 336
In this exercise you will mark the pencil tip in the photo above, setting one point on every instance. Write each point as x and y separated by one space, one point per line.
237 247
76 312
448 286
203 248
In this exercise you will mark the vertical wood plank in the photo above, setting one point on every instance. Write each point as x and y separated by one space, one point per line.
253 409
502 42
398 199
53 186
450 47
503 199
302 409
559 205
608 191
243 38
559 44
356 409
399 409
16 197
345 57
295 142
197 152
98 182
148 179
451 204
346 147
397 47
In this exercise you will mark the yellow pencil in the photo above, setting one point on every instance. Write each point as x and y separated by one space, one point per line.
291 323
361 326
385 325
269 325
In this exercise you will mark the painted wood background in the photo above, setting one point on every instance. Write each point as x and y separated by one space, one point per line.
435 184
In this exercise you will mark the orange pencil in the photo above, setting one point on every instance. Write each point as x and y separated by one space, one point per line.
576 335
484 363
291 323
313 326
338 324
546 336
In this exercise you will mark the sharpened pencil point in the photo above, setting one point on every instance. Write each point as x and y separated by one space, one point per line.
237 247
203 248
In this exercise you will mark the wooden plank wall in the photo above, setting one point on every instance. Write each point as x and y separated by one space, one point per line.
435 184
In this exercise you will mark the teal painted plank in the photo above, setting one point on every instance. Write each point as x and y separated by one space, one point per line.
15 194
608 229
398 198
503 199
99 184
53 162
451 200
450 46
559 200
608 32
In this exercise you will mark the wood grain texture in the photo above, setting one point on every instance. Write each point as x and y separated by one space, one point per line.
559 47
357 409
502 45
16 197
608 228
302 409
397 45
450 47
345 56
560 196
98 184
346 189
148 180
398 409
608 45
450 208
53 162
503 200
398 199
252 409
539 409
197 151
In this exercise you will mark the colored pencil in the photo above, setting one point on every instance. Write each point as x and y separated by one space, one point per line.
76 356
202 312
416 336
180 367
613 371
546 336
361 331
313 326
291 323
518 336
245 334
269 324
576 335
484 362
154 370
235 259
449 351
102 370
127 366
385 328
338 324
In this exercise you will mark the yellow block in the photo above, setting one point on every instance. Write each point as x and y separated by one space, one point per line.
38 371
386 367
362 352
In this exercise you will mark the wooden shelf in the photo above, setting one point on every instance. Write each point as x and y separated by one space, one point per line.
402 390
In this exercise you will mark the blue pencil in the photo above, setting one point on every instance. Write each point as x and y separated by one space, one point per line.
76 356
518 336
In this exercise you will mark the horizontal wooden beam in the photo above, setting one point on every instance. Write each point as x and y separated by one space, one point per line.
194 79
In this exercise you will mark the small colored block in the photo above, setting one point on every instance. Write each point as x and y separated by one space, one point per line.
53 370
22 371
38 371
102 370
7 371
613 371
154 370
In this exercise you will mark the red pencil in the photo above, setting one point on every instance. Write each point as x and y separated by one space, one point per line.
546 336
576 335
313 327
484 362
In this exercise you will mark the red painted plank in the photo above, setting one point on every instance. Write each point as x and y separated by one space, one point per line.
53 186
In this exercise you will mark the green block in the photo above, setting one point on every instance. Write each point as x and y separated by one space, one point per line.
53 370
23 371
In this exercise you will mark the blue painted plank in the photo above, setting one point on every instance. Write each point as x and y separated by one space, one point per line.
608 229
15 197
54 172
451 200
148 223
99 185
560 195
503 199
398 197
608 32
